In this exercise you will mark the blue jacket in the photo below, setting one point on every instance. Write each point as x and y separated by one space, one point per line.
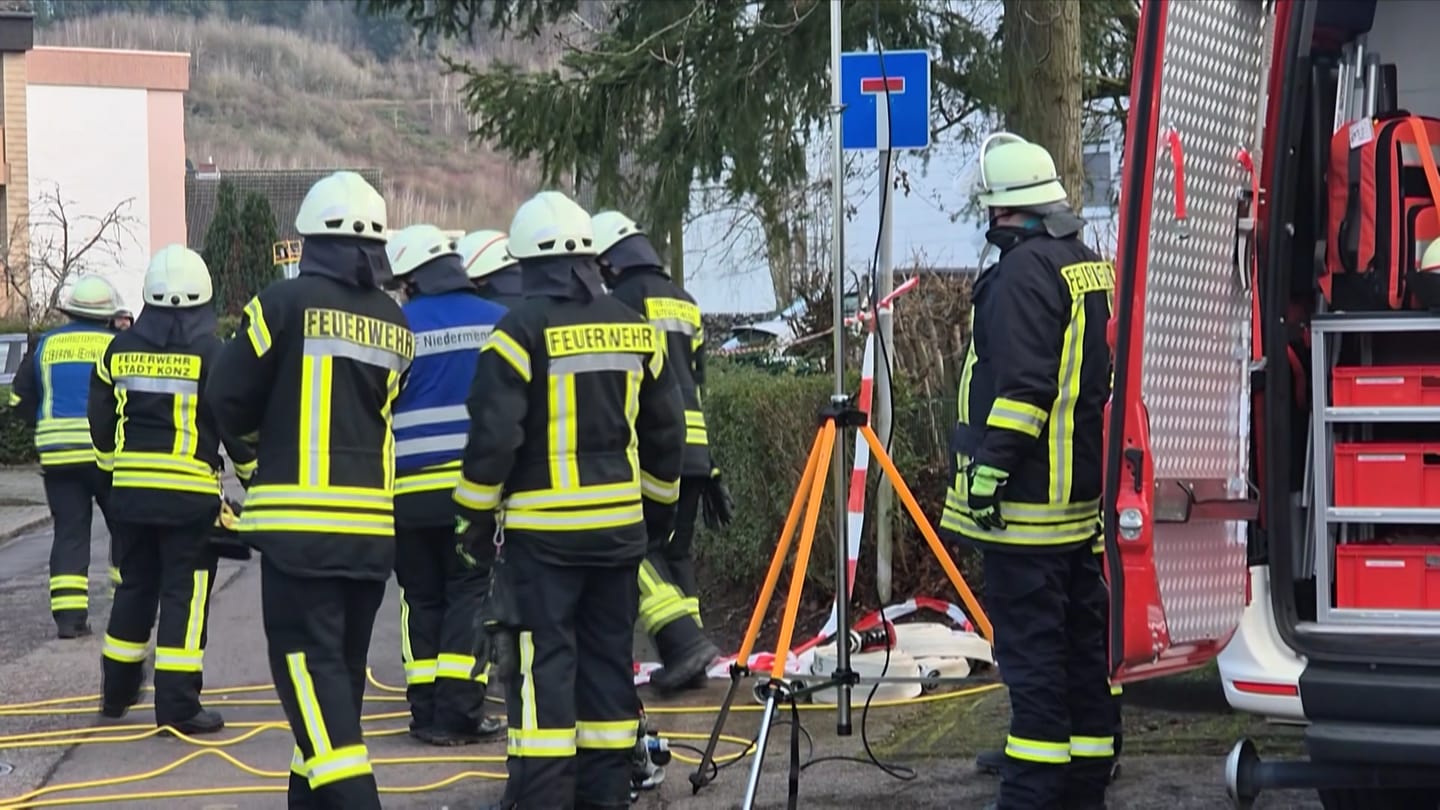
52 391
430 420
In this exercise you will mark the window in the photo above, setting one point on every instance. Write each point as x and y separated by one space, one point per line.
1098 186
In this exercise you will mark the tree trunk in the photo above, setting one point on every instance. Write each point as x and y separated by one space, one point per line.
1041 57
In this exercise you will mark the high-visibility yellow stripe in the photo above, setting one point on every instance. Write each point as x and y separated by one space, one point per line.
660 601
58 603
311 716
257 331
347 762
479 497
529 740
562 432
387 454
632 406
513 353
1012 414
1060 440
124 652
1041 751
549 520
966 371
199 599
407 654
69 581
606 735
122 400
1092 747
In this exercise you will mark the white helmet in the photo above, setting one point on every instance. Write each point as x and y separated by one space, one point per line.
91 297
342 204
610 227
484 253
1015 173
551 224
413 246
177 277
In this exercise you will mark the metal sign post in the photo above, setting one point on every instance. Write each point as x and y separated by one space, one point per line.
887 108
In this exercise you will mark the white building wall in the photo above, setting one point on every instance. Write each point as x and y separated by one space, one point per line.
92 143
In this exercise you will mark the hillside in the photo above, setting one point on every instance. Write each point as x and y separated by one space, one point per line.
266 97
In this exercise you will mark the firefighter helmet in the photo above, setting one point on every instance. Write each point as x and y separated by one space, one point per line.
611 227
484 253
91 297
551 224
411 247
1015 173
177 277
342 204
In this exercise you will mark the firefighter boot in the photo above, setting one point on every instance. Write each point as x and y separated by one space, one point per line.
990 763
488 729
204 722
688 670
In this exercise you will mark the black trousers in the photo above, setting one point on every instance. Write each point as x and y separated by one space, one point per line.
1050 612
438 600
669 606
72 490
573 710
318 634
171 567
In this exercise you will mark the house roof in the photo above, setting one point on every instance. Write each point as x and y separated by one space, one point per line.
284 188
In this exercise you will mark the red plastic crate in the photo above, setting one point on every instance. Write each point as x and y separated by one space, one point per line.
1379 475
1385 386
1387 577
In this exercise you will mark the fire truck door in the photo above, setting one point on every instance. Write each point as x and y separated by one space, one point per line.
1177 487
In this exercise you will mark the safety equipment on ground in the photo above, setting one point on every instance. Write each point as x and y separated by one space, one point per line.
177 277
1015 173
611 227
718 505
881 637
91 297
416 245
342 204
484 253
985 484
551 224
652 754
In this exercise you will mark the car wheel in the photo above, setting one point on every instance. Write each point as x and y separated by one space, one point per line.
1376 799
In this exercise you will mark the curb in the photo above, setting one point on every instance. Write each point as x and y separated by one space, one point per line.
13 533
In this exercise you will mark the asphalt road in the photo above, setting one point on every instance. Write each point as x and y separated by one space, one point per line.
36 666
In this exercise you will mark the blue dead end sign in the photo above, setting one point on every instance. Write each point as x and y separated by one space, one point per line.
868 123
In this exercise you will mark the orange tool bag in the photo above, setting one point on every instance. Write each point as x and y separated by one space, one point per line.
1383 188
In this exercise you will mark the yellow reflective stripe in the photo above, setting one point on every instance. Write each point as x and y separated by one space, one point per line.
660 601
563 432
1012 414
573 520
419 673
606 735
243 469
387 451
697 436
1042 751
297 763
1061 438
115 578
69 603
512 352
429 479
316 520
105 461
346 762
1116 690
407 655
633 382
199 599
1018 534
313 447
164 461
957 497
479 497
456 667
1092 747
133 479
966 372
619 492
257 331
186 416
695 419
125 652
529 740
657 360
175 659
659 489
289 495
53 458
310 714
69 581
14 399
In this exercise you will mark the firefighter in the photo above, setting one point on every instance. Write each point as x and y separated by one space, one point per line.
439 596
316 369
1027 478
166 490
581 489
669 604
493 271
51 388
123 320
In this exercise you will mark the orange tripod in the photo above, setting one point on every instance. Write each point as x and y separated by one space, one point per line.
808 497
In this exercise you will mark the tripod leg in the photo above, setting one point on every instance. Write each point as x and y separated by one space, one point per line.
928 532
814 468
802 556
762 742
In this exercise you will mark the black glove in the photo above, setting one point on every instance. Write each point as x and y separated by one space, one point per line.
985 486
716 505
475 541
496 624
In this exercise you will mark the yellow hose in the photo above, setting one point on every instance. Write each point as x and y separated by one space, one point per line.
94 735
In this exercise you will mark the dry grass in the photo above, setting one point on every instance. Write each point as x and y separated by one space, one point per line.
264 97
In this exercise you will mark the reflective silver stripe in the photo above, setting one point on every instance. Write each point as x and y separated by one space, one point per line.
369 355
538 519
430 416
603 361
454 339
276 497
260 523
1092 746
674 325
157 385
620 495
430 444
